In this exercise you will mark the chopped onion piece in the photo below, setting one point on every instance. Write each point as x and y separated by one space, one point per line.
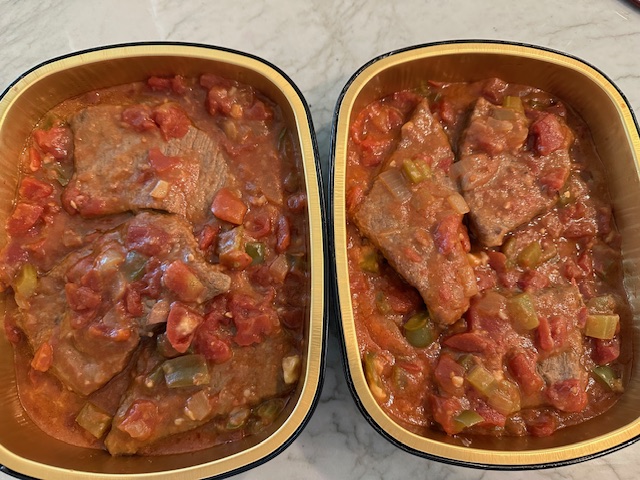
458 203
395 182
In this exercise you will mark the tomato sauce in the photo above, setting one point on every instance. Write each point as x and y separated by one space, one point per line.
534 339
156 266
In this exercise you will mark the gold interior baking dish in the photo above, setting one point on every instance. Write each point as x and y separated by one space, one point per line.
23 447
615 133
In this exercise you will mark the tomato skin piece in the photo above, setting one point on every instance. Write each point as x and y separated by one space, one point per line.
226 206
283 234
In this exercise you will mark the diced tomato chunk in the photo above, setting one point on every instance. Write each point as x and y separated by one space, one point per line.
147 239
81 298
181 326
138 117
605 351
133 302
491 416
42 358
567 395
172 120
283 234
207 237
446 235
467 342
210 339
55 141
444 412
141 420
258 223
25 216
258 111
33 189
523 369
548 133
449 375
226 206
254 321
179 278
555 179
174 84
541 423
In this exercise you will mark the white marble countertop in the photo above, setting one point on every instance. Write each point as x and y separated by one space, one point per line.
319 44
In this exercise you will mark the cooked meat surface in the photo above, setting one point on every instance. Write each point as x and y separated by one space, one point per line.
119 168
511 168
87 314
230 391
416 221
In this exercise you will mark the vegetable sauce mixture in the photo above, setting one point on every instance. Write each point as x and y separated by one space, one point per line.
156 266
484 263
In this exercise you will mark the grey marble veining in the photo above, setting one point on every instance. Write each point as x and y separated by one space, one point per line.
319 44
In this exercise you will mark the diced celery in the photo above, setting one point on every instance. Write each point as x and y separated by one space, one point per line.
509 248
256 251
164 347
522 312
369 259
237 418
505 397
154 378
382 303
419 331
269 410
372 370
504 114
93 419
186 371
514 103
416 171
467 361
399 377
134 266
530 256
605 375
601 326
26 281
566 197
467 418
482 380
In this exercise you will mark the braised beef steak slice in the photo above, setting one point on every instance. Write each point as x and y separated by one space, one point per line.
151 410
119 168
87 314
511 168
413 214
